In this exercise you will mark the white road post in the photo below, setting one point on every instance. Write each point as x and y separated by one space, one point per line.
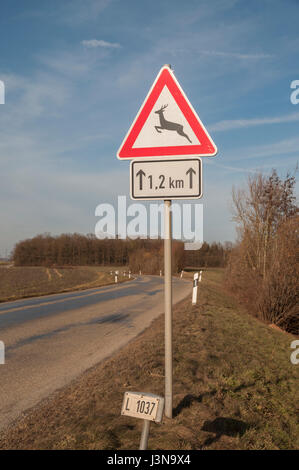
116 277
2 352
182 272
200 272
129 274
194 293
168 308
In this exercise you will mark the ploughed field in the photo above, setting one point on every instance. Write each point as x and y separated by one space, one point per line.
17 282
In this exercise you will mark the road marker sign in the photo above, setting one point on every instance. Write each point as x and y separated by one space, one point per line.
2 353
166 179
143 405
166 125
146 406
195 286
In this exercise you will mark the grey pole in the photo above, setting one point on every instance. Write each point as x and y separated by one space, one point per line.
144 434
168 308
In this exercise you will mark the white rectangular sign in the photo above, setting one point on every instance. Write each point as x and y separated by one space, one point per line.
166 179
143 405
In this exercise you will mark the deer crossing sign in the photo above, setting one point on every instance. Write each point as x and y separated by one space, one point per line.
166 125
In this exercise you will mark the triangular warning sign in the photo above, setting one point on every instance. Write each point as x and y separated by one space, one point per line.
166 125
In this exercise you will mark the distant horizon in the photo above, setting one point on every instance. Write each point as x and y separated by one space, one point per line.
112 238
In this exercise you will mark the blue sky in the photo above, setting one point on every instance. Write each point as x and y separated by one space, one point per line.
77 71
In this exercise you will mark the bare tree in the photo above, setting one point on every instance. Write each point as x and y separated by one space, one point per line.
263 268
259 211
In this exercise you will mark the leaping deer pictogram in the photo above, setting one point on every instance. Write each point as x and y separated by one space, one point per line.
168 125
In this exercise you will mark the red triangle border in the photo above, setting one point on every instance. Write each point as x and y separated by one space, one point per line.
207 146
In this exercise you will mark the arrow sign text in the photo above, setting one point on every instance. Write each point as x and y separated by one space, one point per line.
166 179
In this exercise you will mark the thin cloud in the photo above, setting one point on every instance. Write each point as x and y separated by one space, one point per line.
244 123
93 43
237 55
232 168
264 168
282 147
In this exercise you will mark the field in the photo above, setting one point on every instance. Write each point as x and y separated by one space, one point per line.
234 387
21 282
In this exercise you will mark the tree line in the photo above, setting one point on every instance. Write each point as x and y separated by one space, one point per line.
263 268
140 254
81 250
214 255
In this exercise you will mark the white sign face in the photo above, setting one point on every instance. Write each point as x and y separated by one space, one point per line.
143 406
166 179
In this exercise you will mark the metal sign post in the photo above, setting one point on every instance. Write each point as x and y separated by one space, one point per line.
168 307
144 435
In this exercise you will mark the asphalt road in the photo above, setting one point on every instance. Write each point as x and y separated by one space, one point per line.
49 341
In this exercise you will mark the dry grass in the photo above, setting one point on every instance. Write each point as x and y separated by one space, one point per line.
20 282
234 387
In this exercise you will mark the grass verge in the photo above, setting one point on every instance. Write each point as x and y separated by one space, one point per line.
234 387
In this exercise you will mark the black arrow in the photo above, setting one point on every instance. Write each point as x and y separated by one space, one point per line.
191 172
140 174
